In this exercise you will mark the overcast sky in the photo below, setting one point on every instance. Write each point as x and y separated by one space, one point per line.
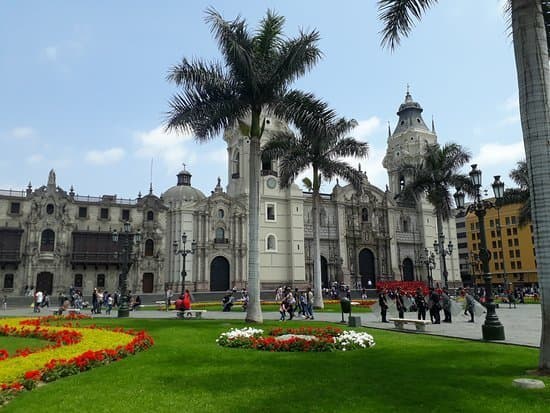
83 86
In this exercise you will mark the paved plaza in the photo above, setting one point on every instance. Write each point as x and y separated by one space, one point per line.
522 325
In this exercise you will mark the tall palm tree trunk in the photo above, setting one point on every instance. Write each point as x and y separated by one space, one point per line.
442 262
254 309
317 282
533 71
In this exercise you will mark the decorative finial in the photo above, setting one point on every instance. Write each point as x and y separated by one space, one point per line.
408 88
389 130
359 167
29 185
151 188
433 124
139 195
184 166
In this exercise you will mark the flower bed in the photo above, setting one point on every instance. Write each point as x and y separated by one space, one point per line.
76 349
296 339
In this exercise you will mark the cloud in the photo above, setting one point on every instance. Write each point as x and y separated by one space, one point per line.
497 154
34 158
50 53
366 128
104 157
511 104
22 132
169 147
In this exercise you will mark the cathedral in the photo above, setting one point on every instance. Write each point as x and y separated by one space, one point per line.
51 239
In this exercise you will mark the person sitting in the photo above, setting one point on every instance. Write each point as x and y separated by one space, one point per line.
136 303
228 301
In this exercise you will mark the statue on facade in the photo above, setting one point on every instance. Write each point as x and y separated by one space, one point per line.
51 178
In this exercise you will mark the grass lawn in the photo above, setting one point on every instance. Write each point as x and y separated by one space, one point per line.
187 371
13 343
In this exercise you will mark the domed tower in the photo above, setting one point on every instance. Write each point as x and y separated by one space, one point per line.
181 200
408 141
415 225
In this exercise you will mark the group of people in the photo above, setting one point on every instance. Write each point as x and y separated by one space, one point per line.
433 303
300 302
40 300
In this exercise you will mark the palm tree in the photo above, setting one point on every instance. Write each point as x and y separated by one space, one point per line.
432 177
531 37
520 194
255 76
320 143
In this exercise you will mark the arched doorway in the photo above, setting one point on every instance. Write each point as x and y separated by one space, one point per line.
324 272
367 268
219 274
44 282
408 270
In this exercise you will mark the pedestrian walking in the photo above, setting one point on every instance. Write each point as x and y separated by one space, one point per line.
383 302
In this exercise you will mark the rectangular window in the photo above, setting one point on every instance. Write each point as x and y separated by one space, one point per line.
500 255
513 265
491 223
82 212
509 242
495 257
507 220
518 264
458 224
515 231
493 234
494 244
462 245
514 220
15 208
518 253
104 213
126 215
78 280
516 242
8 282
100 281
270 212
511 253
472 226
509 232
500 244
473 237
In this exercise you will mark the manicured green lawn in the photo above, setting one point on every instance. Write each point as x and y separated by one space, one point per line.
187 371
13 343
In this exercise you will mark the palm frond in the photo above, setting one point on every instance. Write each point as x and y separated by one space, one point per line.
331 168
235 43
398 17
349 147
268 36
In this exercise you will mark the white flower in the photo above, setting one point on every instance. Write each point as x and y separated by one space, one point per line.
246 332
350 339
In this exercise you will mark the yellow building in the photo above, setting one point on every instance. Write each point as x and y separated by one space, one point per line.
512 247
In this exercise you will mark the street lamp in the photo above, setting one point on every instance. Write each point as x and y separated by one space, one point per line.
439 248
428 259
183 251
129 239
492 329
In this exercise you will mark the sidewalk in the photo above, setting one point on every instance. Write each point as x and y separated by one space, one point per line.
522 325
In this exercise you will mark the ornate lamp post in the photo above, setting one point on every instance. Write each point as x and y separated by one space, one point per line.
183 251
439 248
492 329
129 239
428 259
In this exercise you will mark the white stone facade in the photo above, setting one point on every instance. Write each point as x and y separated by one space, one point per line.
55 239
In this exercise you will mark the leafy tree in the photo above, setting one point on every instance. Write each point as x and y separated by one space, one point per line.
432 177
254 77
320 143
520 194
530 23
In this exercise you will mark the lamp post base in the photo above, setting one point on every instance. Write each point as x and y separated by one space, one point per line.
492 329
123 313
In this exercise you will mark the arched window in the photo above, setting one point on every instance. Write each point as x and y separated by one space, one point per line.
149 248
150 216
49 209
405 225
235 171
271 243
401 182
365 215
221 213
47 242
220 234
